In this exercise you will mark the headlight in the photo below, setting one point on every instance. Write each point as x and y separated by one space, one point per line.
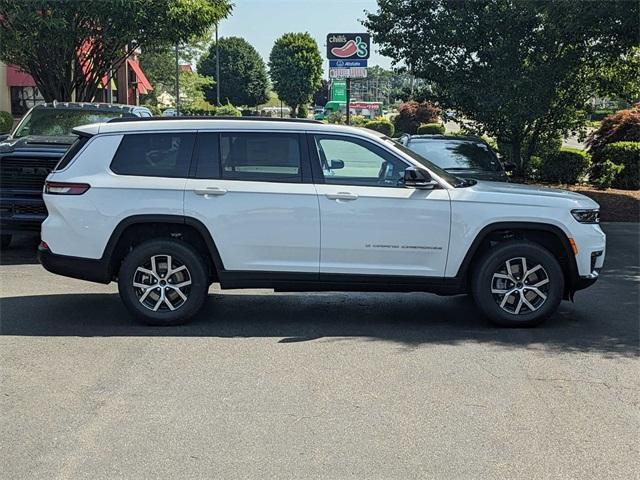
586 215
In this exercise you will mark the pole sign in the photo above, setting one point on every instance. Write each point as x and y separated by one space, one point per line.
348 46
354 72
338 91
347 63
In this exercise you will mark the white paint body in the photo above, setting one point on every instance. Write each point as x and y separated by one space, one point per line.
302 227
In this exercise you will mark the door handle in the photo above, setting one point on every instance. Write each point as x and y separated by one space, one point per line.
210 191
342 196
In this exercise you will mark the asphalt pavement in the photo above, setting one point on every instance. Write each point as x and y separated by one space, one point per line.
323 385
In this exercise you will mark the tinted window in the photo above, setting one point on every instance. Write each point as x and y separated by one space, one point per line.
271 157
353 162
60 122
456 154
154 155
208 165
72 152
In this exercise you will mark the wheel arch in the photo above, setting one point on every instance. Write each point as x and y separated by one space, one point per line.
190 229
549 236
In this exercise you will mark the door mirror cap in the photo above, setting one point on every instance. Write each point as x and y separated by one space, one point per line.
336 164
3 137
414 178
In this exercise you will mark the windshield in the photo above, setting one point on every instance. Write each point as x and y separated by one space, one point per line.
446 176
59 122
456 154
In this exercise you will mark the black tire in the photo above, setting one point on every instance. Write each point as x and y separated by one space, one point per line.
5 241
181 254
491 263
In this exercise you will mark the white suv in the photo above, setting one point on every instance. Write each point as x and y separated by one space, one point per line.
166 207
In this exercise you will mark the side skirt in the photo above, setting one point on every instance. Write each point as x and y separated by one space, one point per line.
313 282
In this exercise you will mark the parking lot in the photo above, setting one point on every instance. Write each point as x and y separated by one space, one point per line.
326 385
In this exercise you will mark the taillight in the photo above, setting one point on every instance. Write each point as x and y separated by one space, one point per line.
64 188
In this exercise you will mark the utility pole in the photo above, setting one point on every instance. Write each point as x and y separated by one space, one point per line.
217 68
348 85
177 83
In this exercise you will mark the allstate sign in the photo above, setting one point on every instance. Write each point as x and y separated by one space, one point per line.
348 46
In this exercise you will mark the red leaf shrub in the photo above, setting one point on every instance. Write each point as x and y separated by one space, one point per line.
622 126
413 114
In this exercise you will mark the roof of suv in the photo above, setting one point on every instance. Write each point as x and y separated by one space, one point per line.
468 138
170 124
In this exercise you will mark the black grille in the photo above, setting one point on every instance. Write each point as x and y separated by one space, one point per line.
25 173
30 210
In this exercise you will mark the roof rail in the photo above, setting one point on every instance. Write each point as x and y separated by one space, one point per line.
205 117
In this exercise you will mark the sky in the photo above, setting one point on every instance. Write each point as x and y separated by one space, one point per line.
262 22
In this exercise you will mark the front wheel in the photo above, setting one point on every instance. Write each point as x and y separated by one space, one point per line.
518 284
163 282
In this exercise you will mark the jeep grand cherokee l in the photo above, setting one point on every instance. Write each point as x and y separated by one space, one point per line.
167 207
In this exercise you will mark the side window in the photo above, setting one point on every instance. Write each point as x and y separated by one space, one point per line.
208 156
266 157
348 161
154 155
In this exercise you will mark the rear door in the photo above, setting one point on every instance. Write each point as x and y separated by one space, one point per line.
253 191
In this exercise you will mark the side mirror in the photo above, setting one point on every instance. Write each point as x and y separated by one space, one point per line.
4 136
414 178
336 164
509 167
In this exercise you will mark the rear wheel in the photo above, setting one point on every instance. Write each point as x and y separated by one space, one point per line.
163 282
5 240
518 284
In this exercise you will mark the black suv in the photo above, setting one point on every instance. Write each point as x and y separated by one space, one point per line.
463 156
29 154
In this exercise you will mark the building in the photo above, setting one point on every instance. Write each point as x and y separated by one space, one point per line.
18 91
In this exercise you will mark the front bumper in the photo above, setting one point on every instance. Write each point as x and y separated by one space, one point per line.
24 213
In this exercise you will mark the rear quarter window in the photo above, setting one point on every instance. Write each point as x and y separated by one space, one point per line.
76 146
154 155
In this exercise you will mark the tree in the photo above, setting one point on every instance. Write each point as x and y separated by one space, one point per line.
92 38
192 87
243 75
522 70
295 67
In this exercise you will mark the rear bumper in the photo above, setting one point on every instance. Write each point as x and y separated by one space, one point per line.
75 267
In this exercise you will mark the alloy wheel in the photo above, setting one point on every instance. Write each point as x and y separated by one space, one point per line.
162 284
520 286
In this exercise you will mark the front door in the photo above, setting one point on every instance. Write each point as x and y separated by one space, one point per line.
370 223
253 191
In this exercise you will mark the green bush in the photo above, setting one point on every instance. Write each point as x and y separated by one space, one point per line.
358 120
303 111
6 122
227 110
336 117
381 125
627 154
567 165
609 171
431 129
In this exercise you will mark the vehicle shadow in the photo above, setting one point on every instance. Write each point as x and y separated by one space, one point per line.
411 320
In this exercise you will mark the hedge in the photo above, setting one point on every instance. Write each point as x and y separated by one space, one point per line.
381 125
627 154
6 122
431 129
567 165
